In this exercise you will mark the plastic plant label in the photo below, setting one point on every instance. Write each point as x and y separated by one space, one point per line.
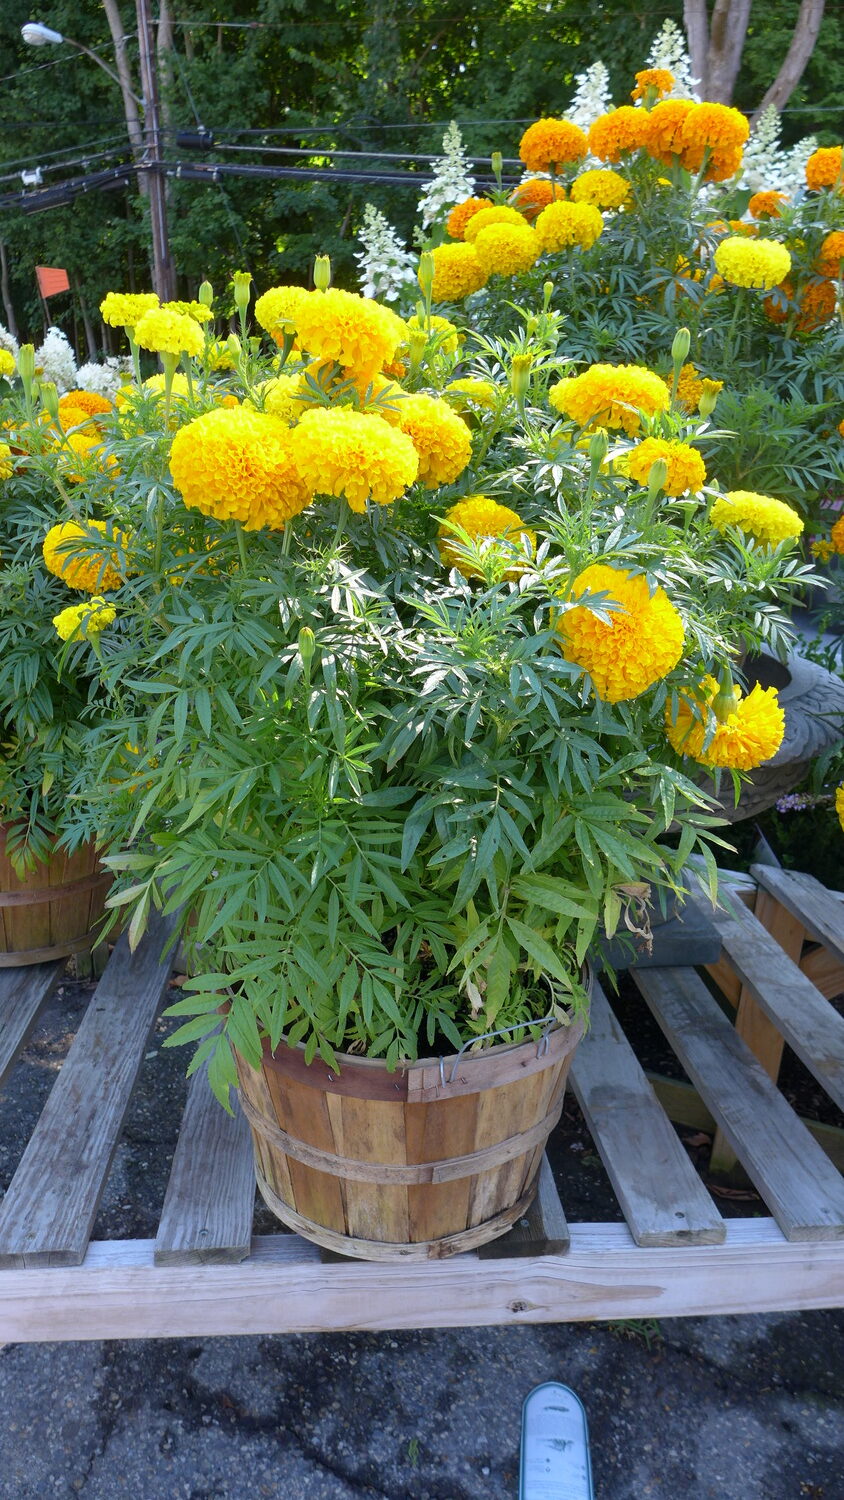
555 1446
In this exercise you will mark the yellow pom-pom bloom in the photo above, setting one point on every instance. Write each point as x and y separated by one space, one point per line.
663 126
499 213
472 391
357 332
656 81
125 309
829 262
462 213
611 395
766 204
440 437
534 194
823 169
691 385
839 803
765 520
507 249
640 643
166 332
6 463
238 465
686 469
836 536
549 144
196 310
86 401
744 740
448 336
612 135
563 224
83 621
486 522
457 272
752 263
7 363
276 310
76 416
73 551
343 452
602 187
282 397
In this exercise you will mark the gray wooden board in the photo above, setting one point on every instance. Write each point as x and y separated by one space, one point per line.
661 1196
797 1180
22 993
810 1025
49 1209
210 1198
821 911
542 1231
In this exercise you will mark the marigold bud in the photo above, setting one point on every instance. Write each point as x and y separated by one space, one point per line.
242 282
520 368
205 295
425 275
680 347
726 700
322 273
657 475
708 398
50 398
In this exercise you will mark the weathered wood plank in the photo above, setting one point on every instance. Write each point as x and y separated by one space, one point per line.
542 1231
23 993
820 911
684 1106
119 1293
210 1198
661 1196
825 971
788 1168
48 1212
810 1025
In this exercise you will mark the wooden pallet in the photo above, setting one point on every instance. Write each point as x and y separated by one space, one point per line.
205 1273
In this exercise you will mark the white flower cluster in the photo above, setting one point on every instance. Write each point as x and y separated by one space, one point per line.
55 361
669 51
591 96
105 379
9 343
386 268
766 165
451 182
793 173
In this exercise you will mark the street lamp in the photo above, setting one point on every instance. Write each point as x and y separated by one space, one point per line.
36 35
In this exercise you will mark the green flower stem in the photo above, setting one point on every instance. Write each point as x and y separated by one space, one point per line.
136 355
170 363
732 330
159 530
241 545
342 517
186 365
285 538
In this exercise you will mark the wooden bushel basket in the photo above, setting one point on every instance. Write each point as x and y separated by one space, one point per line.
437 1157
55 910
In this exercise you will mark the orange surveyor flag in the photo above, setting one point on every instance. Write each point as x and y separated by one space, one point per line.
51 279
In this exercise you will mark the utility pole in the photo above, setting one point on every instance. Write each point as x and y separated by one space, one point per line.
164 281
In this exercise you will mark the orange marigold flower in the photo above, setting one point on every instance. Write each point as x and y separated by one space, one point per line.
836 536
817 306
637 646
343 452
87 401
622 130
823 169
440 437
611 395
549 144
766 204
239 465
357 332
831 255
714 127
649 80
839 804
462 213
686 469
664 128
487 523
692 385
534 194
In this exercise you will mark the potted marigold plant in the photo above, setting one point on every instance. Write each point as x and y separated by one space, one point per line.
415 632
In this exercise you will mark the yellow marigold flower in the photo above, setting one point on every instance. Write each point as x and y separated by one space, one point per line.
839 803
449 336
563 224
499 213
217 355
718 129
345 452
472 391
7 363
619 131
71 552
276 310
836 536
76 416
179 388
125 309
84 443
440 437
752 263
601 187
457 272
822 549
239 465
658 79
663 127
83 621
169 333
686 469
486 522
196 310
381 397
549 144
831 255
758 516
355 331
823 169
507 249
283 397
462 213
766 204
612 395
86 401
636 647
7 467
744 740
534 194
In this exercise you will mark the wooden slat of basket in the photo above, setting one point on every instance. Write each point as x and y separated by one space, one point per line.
810 1025
820 911
661 1196
49 1209
210 1198
542 1231
23 992
798 1182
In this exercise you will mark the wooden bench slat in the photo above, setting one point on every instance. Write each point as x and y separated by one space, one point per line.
661 1196
48 1212
210 1198
796 1179
821 911
23 992
811 1026
544 1230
